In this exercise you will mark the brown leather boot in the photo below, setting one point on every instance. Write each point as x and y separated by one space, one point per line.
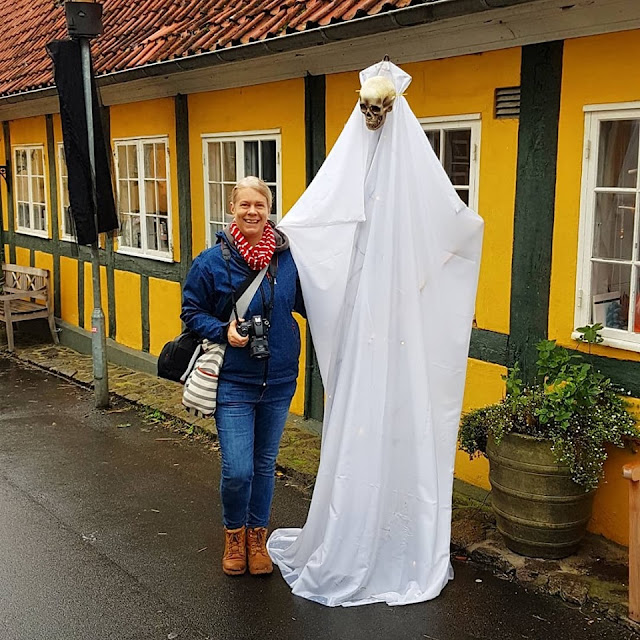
259 560
234 560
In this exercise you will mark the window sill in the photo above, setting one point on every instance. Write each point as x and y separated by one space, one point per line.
615 343
33 232
138 254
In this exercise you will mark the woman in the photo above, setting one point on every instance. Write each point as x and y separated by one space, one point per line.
253 394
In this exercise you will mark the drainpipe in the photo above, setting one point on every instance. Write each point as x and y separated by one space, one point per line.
632 473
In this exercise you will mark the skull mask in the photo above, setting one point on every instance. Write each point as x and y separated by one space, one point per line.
376 100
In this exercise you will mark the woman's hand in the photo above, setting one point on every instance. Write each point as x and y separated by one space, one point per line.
233 337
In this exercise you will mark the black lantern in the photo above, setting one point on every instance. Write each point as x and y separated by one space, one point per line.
84 19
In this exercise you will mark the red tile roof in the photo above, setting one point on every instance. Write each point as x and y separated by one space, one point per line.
140 32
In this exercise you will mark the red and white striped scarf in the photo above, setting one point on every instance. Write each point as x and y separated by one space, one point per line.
257 257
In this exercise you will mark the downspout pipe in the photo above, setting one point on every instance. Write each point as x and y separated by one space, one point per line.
358 27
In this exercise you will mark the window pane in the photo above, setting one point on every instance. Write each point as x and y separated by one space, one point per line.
149 161
150 204
215 203
162 197
228 188
152 233
268 160
134 197
37 162
22 188
132 161
464 195
610 286
434 140
65 191
37 190
122 161
67 222
161 160
636 310
229 161
613 231
618 154
251 163
23 215
21 162
215 170
39 217
274 203
125 231
457 155
123 196
163 226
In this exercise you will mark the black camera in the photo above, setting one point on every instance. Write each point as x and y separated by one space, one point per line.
258 330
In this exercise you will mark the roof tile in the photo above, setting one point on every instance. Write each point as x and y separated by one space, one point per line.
151 31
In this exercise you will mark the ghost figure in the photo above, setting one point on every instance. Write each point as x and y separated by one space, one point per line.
376 100
388 257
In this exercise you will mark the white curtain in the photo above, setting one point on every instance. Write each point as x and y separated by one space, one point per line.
388 257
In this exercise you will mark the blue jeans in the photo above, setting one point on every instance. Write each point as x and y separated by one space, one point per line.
250 420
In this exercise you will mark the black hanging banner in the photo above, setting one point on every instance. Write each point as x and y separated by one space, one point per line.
67 66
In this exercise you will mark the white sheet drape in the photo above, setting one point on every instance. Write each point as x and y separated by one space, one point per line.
388 257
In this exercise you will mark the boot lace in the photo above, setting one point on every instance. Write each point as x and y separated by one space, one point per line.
235 544
257 540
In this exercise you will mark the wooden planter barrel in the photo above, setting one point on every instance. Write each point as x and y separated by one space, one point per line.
540 510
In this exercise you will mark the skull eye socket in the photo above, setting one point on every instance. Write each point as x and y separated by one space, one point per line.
375 109
363 107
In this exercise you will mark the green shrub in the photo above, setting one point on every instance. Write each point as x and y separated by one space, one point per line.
570 403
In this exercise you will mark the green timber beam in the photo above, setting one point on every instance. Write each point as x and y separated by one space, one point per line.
184 184
11 231
315 146
541 79
55 214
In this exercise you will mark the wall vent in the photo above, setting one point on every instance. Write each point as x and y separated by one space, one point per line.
507 104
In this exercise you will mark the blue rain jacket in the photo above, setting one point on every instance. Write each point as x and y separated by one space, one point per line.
207 292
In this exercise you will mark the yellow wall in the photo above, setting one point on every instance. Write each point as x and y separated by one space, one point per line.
458 86
44 261
88 296
23 256
164 313
69 290
484 385
128 309
27 131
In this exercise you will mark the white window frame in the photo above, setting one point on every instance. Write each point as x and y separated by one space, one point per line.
144 251
65 233
594 115
41 233
239 137
470 121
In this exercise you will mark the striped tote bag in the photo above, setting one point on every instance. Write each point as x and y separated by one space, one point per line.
201 387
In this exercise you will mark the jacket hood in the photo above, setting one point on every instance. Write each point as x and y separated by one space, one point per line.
282 242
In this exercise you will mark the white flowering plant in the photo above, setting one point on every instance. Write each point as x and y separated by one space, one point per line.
570 403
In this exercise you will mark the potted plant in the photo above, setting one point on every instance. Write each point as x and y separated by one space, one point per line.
546 447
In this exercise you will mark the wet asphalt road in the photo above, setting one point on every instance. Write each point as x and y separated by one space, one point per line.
109 528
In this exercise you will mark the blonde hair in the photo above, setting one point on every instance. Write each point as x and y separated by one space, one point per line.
253 183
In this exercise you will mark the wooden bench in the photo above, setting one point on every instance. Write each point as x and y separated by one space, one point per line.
25 295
